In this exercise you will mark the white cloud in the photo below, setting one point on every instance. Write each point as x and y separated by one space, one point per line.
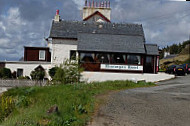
2 26
79 3
15 33
4 42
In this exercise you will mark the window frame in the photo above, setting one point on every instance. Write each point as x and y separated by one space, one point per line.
139 58
20 71
44 55
71 55
87 54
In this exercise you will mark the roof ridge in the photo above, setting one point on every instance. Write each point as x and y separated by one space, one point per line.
116 23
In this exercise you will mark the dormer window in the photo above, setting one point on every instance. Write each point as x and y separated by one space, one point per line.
42 55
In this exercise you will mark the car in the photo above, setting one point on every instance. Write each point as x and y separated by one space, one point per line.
171 69
180 70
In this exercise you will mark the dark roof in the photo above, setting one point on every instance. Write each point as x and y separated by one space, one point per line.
70 29
110 43
105 37
151 49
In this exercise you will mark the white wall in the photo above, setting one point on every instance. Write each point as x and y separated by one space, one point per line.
87 11
28 67
61 50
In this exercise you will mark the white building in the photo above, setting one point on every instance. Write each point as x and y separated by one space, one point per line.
100 44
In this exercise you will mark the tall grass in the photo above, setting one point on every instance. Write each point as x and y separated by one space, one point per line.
75 103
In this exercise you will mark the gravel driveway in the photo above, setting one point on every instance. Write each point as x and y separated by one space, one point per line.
167 104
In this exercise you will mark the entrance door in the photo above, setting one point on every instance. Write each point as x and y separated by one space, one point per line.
19 72
148 64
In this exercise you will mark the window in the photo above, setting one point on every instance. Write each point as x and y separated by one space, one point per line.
102 58
133 59
19 72
73 54
149 59
42 55
87 57
118 58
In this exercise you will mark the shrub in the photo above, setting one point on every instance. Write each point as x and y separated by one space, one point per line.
59 75
37 75
5 73
69 72
52 71
14 74
6 106
72 71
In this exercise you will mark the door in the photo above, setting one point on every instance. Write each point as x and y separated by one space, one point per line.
148 64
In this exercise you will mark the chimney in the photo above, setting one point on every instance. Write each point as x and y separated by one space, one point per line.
89 4
93 3
57 17
57 12
86 3
102 6
102 3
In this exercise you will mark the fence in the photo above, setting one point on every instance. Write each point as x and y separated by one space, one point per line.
21 83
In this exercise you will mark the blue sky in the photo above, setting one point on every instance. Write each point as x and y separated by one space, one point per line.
27 22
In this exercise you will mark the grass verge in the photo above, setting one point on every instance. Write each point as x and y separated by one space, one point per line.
29 105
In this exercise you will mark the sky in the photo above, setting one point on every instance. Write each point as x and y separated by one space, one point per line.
28 22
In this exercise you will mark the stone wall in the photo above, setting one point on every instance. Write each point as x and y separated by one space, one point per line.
21 83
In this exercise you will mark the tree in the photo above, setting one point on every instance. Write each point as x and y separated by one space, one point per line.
174 49
180 47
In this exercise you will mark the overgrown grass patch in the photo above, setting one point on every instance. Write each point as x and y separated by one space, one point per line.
75 103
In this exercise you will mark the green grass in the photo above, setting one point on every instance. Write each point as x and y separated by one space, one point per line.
76 103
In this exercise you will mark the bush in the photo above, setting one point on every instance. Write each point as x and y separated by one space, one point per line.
37 75
59 75
5 73
70 72
14 99
52 71
14 75
6 106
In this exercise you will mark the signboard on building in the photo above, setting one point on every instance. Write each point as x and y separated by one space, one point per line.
121 67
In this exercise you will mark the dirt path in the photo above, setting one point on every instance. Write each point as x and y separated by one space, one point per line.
165 105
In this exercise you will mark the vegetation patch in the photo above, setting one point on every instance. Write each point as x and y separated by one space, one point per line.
74 103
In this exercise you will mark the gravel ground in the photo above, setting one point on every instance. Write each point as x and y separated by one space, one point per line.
167 104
